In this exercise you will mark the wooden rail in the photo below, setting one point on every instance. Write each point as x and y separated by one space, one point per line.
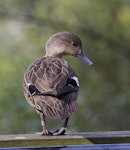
81 138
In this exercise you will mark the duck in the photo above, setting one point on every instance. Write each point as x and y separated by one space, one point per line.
50 84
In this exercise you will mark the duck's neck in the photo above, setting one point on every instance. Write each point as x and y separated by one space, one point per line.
53 56
54 53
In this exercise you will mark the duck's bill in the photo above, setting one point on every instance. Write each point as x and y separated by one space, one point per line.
83 58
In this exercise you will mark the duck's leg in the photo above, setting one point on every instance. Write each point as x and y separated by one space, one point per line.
44 129
62 130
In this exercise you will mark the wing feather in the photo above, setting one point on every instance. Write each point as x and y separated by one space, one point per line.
46 74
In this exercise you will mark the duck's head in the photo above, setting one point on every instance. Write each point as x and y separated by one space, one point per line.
66 43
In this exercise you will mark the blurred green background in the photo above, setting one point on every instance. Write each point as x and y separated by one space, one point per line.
104 27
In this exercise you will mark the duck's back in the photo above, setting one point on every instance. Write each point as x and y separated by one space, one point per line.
48 74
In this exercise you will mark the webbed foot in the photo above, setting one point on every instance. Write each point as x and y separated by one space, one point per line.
44 132
59 131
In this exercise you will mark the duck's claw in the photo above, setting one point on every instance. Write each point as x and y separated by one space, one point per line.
59 131
45 132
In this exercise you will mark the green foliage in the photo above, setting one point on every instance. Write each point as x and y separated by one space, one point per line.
103 26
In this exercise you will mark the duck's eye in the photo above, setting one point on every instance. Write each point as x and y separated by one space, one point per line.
74 43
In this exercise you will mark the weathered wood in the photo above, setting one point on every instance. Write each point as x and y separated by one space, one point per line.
22 140
81 138
107 137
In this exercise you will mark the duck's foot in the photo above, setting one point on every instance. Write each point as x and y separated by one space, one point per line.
44 132
59 131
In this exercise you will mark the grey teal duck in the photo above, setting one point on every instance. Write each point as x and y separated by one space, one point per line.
50 84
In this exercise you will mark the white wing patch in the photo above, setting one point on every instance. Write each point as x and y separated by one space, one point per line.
76 80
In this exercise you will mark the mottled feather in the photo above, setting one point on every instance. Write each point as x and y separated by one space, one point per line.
47 74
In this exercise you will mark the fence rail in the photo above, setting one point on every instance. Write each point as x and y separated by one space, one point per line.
80 138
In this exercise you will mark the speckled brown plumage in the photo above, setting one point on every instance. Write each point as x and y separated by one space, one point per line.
50 84
47 74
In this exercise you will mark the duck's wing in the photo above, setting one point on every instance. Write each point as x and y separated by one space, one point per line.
51 76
